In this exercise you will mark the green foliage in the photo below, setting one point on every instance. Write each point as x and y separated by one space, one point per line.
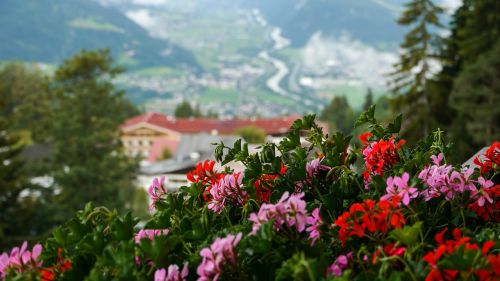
100 243
184 110
368 99
25 98
476 96
19 203
339 115
166 154
412 72
251 134
89 164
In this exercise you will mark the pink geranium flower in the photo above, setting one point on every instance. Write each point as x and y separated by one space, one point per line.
289 211
20 259
482 195
157 191
228 190
398 186
172 273
218 256
314 221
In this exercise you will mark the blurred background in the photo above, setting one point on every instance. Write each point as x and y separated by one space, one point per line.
98 97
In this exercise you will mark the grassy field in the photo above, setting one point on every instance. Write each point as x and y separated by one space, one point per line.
160 71
355 94
218 95
89 23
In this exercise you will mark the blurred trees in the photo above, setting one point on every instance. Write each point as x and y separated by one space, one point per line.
414 69
21 215
89 163
185 110
25 95
339 115
462 92
476 97
76 114
252 134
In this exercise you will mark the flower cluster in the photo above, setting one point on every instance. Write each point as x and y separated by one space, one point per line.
290 210
398 187
313 169
341 263
314 222
172 273
491 209
369 217
150 234
442 180
219 256
51 273
264 185
205 175
379 155
491 159
157 191
228 189
459 247
20 259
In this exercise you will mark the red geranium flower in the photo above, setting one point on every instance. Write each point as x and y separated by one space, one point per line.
490 211
205 174
369 217
379 155
264 185
491 159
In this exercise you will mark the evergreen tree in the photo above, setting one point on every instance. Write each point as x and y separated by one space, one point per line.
368 99
184 110
89 163
339 115
474 28
413 71
476 97
481 29
25 98
20 213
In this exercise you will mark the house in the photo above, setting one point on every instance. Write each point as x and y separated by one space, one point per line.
147 135
192 149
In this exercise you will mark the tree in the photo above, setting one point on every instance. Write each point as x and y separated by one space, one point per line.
475 27
184 110
20 213
25 98
339 115
166 154
480 30
251 134
89 163
368 99
413 71
476 96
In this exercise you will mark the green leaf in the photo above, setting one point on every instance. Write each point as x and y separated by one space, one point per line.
407 235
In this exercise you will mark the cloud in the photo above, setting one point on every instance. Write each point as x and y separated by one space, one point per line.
451 5
348 58
149 2
143 18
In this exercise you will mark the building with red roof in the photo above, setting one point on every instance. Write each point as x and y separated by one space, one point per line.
148 134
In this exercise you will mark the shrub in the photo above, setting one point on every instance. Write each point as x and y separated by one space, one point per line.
330 211
251 134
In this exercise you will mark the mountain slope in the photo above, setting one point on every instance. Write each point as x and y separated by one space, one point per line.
372 22
51 30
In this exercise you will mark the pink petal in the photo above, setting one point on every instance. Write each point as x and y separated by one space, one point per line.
36 251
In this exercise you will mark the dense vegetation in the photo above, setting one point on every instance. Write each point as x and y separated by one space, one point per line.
66 126
326 211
